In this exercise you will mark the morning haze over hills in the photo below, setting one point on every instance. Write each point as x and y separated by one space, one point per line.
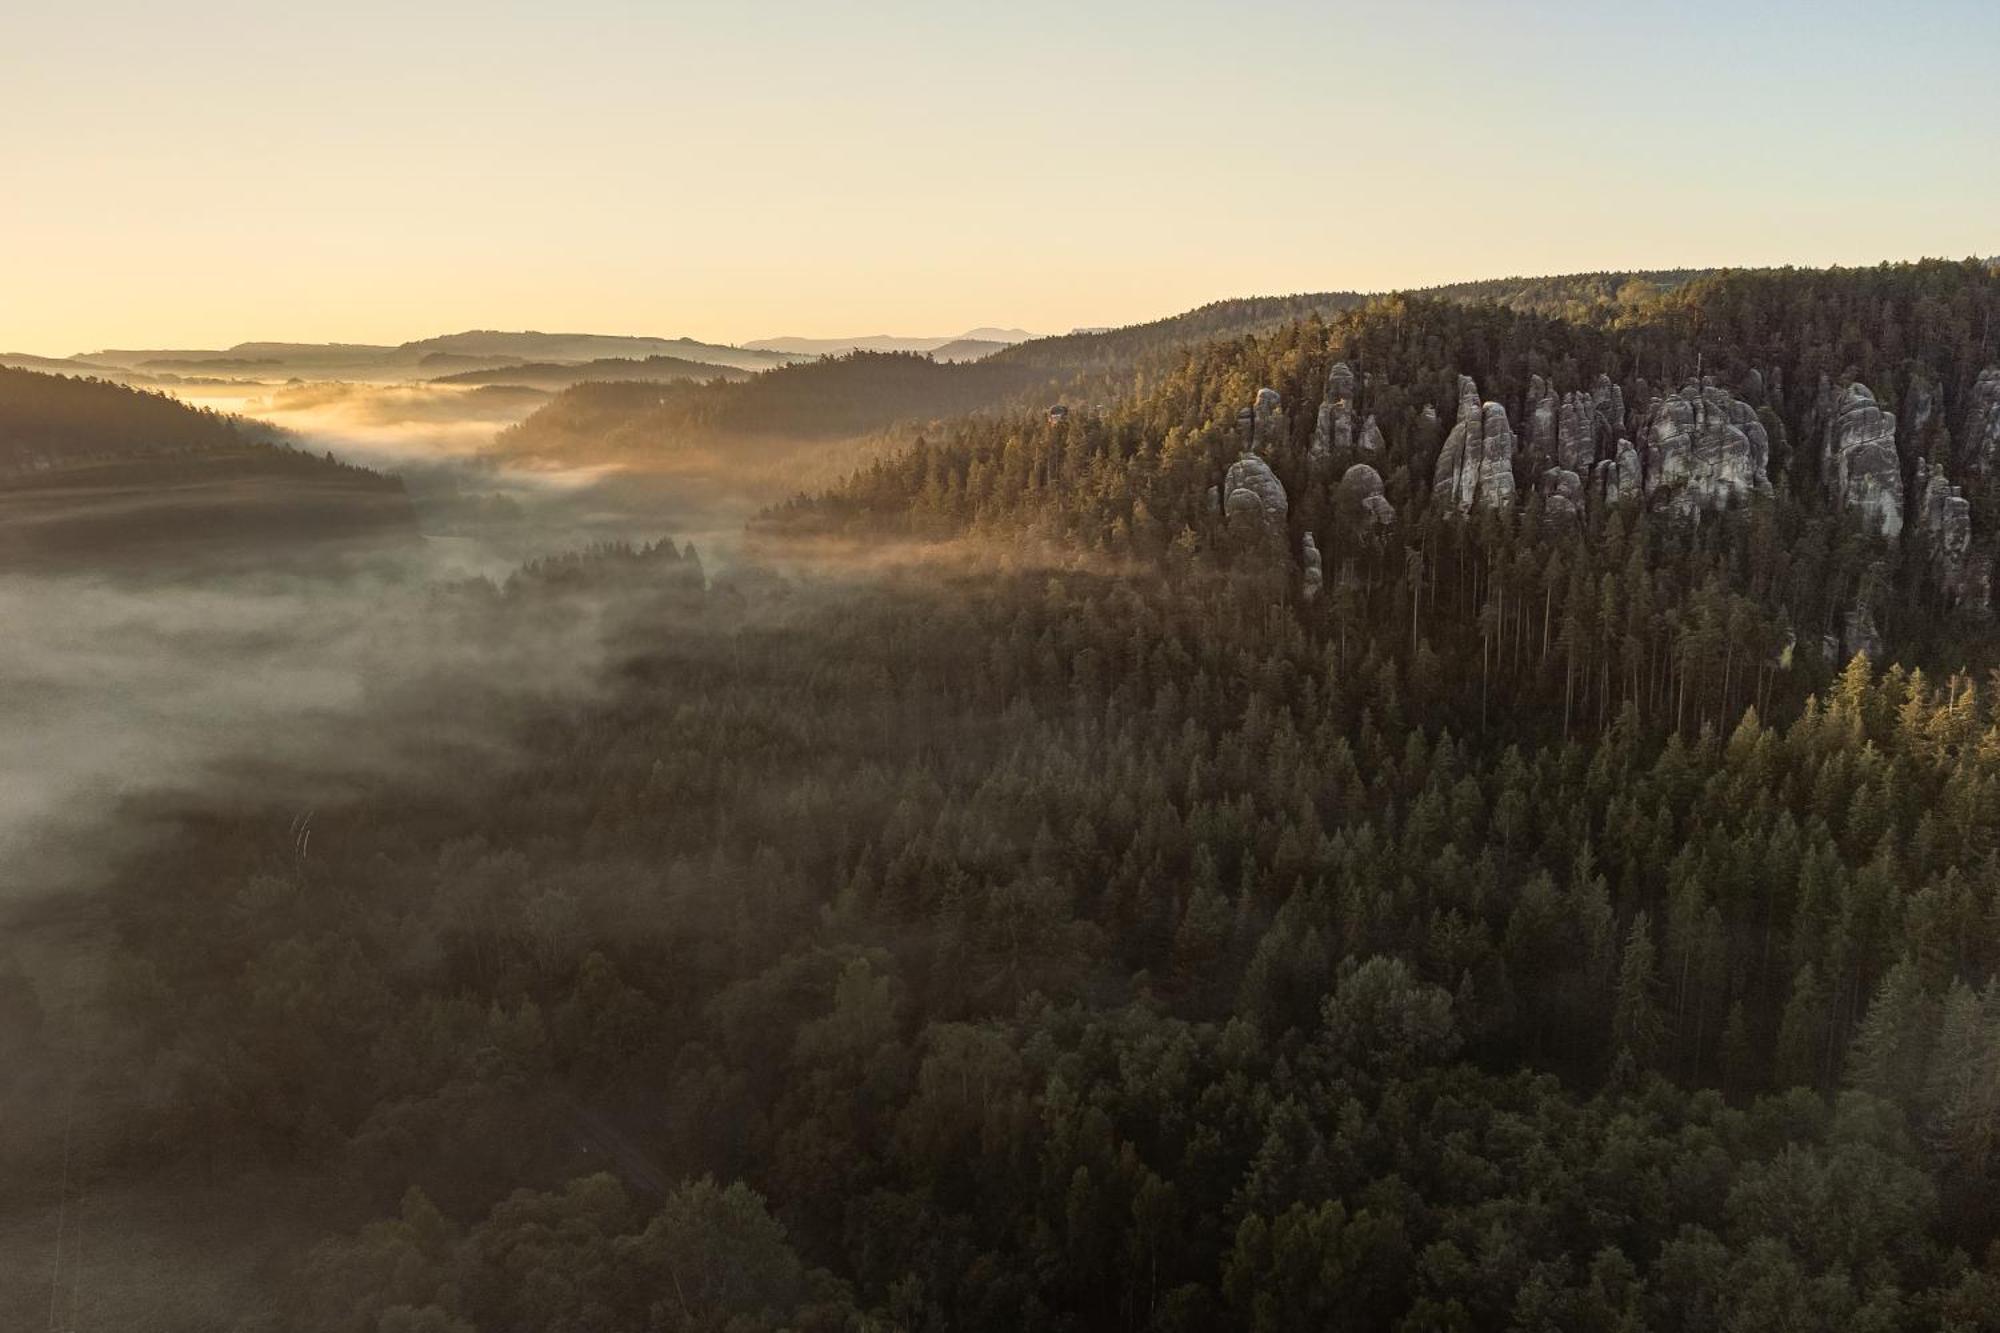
1160 809
1233 770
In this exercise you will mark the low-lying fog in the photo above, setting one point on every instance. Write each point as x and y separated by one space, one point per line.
173 689
190 681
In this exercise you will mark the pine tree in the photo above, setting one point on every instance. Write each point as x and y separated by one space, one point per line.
1638 1026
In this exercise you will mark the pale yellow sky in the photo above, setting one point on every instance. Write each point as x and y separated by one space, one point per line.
203 174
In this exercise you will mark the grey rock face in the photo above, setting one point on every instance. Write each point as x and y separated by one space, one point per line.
1586 424
1541 425
1340 382
1943 517
1476 464
1706 447
1362 485
1609 400
1319 453
1919 414
1334 429
1333 432
1268 418
1858 635
1562 495
1371 441
1576 432
1314 576
1252 495
1980 444
1620 477
1858 458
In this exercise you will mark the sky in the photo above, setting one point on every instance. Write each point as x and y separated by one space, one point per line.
198 174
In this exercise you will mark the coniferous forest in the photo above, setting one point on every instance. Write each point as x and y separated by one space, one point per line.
1468 810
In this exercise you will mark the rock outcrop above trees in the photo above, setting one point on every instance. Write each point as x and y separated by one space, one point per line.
1570 430
1859 635
1620 477
1361 486
1334 429
1252 495
1705 448
1539 423
1859 461
1476 464
1268 428
1942 519
1562 495
1980 445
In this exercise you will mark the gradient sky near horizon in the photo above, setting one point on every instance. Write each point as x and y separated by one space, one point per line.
197 174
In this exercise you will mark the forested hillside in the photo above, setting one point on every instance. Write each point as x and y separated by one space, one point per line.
561 374
1442 816
54 420
94 474
831 398
1666 540
1102 951
865 392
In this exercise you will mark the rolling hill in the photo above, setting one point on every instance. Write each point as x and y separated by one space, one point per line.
882 342
95 475
562 374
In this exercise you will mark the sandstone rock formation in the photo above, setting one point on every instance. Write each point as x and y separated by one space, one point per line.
1979 443
1620 477
1576 433
1361 485
1371 441
1268 422
1340 382
1706 447
1859 461
1588 423
1476 464
1942 517
1610 402
1562 495
1252 495
1540 422
1333 432
1919 415
1334 429
1315 573
1859 635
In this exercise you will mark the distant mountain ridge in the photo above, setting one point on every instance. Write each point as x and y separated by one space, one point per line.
534 346
562 374
422 358
969 345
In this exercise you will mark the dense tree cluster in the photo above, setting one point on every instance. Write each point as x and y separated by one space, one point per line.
1631 595
60 418
1538 928
831 398
1086 951
53 423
